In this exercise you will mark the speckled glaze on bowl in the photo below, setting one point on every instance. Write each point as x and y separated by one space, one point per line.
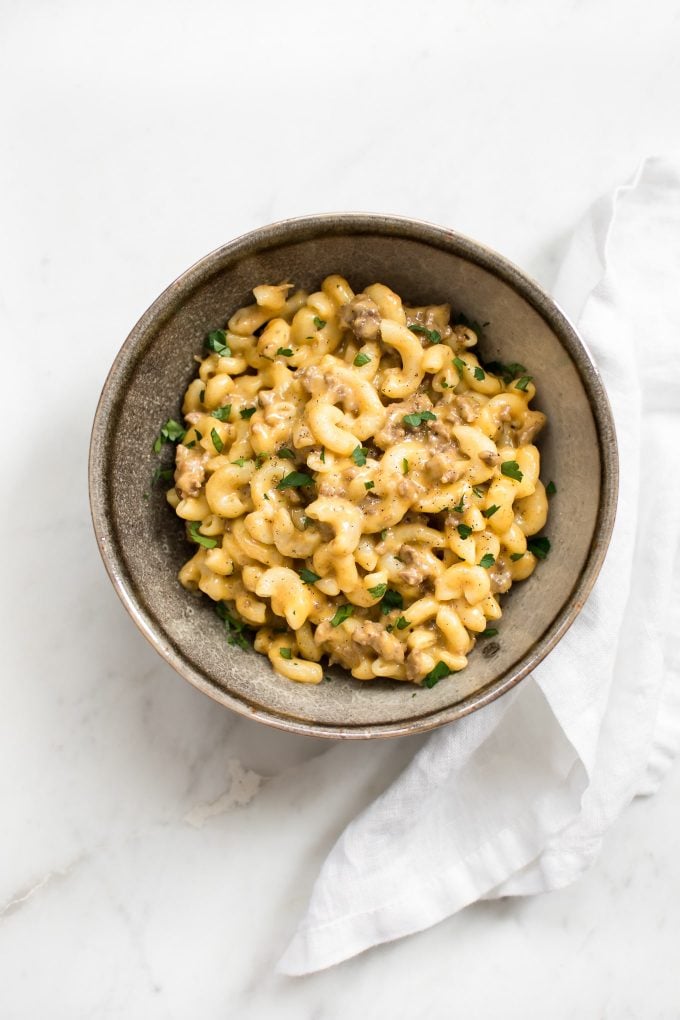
142 541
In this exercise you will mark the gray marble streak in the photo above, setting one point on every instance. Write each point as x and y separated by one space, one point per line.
135 139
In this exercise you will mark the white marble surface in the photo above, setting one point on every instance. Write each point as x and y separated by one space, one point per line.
135 138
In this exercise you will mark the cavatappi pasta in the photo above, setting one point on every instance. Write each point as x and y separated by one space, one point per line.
357 485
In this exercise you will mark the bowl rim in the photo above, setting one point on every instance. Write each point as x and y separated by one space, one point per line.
302 228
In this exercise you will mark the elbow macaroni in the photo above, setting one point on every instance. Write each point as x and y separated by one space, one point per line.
358 486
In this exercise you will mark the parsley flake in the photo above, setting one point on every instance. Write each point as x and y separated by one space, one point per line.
378 591
540 547
285 352
459 508
171 432
221 413
489 632
490 511
359 456
460 365
433 335
217 442
285 653
217 342
369 485
161 475
383 535
322 456
295 480
361 359
286 453
240 461
319 323
247 412
201 396
418 417
234 627
550 489
479 373
510 468
516 556
402 623
435 675
404 466
391 600
204 540
342 613
464 530
308 576
487 561
523 383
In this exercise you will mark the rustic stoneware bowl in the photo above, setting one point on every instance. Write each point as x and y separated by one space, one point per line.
142 542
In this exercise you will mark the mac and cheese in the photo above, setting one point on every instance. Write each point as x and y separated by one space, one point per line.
357 485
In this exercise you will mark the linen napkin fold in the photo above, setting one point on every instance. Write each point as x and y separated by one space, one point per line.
516 798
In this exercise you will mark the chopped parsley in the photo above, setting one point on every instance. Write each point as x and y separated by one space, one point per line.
341 614
522 383
479 373
286 453
433 335
378 591
171 432
207 543
489 632
247 412
540 547
217 442
490 511
459 508
402 623
478 328
161 475
217 342
418 417
510 468
322 456
478 491
445 385
361 359
234 627
516 556
383 535
391 600
308 576
404 466
261 458
285 653
201 396
222 413
369 485
435 675
319 323
550 489
487 561
464 530
295 480
240 461
285 352
359 455
508 372
460 365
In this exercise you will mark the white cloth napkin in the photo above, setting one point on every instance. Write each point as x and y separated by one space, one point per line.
516 798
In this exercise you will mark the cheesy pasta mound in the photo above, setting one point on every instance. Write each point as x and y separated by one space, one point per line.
356 484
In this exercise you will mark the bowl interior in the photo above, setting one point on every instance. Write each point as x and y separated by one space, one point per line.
143 541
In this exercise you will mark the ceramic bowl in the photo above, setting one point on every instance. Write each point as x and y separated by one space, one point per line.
143 543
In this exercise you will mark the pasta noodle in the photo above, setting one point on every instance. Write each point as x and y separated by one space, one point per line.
356 484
